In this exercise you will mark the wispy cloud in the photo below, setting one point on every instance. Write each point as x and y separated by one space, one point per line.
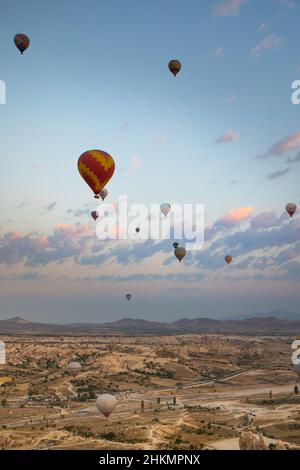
229 136
217 52
277 174
288 144
269 43
50 206
263 27
230 99
229 7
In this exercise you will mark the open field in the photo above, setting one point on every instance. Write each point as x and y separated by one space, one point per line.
199 391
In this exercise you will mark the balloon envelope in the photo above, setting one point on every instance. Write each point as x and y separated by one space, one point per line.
137 229
165 208
103 194
291 208
174 66
128 296
228 259
22 42
74 368
95 215
96 168
175 245
180 253
106 404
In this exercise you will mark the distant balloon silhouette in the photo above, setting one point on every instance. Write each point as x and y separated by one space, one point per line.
128 296
228 259
21 42
137 229
165 208
180 253
174 66
175 245
95 215
291 209
103 194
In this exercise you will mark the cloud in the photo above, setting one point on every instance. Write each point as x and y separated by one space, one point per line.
22 204
230 99
288 3
288 144
229 7
239 215
232 182
263 27
269 43
31 276
277 174
135 164
294 159
51 206
217 52
229 136
264 220
125 125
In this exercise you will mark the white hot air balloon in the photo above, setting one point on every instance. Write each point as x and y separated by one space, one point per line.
74 368
106 404
165 208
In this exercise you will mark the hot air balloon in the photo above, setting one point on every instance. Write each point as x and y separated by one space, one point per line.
106 404
175 245
22 42
174 66
291 209
228 259
96 168
128 297
103 194
137 229
74 368
180 253
95 215
165 208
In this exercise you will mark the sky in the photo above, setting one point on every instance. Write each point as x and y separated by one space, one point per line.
224 133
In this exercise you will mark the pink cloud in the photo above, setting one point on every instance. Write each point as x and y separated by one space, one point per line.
269 43
289 144
229 136
229 7
239 214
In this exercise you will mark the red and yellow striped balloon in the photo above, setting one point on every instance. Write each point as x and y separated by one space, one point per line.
96 168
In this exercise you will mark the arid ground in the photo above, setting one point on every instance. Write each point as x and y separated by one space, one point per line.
174 392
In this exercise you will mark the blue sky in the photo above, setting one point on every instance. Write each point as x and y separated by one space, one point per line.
96 76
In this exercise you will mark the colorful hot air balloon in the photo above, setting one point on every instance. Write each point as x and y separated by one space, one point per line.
180 253
165 208
228 259
137 229
96 168
106 404
291 209
174 66
95 215
74 368
22 42
128 297
175 245
103 194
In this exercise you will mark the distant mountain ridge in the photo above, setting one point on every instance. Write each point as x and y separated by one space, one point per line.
257 325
